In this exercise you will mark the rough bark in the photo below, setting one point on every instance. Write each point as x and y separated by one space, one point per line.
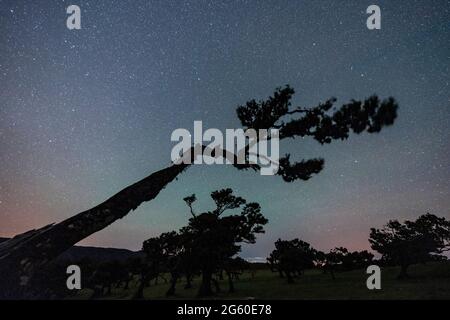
22 256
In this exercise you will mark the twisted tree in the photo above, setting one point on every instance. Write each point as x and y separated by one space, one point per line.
24 255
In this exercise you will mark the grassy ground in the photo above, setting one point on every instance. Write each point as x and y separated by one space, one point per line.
430 281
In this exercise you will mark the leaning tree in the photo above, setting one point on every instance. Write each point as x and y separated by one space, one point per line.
23 255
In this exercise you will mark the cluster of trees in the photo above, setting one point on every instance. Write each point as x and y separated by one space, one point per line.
341 259
400 244
27 254
292 257
206 246
100 276
143 271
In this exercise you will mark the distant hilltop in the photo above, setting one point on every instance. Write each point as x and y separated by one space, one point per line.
97 254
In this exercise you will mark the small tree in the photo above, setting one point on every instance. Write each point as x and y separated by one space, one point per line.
412 241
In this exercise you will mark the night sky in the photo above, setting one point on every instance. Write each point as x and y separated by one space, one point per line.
84 113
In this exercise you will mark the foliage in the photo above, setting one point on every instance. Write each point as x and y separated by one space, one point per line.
412 241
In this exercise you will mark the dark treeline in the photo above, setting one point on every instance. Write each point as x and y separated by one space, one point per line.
399 244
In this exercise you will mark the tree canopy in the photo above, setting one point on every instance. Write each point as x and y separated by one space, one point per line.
412 241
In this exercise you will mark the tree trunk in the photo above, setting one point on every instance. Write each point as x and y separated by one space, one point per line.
23 255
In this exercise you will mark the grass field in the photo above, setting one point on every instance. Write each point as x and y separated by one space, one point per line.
429 281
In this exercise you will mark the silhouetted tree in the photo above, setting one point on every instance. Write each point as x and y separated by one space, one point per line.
159 253
208 243
51 280
21 256
357 260
412 241
291 258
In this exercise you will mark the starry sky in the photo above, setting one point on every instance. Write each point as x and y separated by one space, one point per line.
84 113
